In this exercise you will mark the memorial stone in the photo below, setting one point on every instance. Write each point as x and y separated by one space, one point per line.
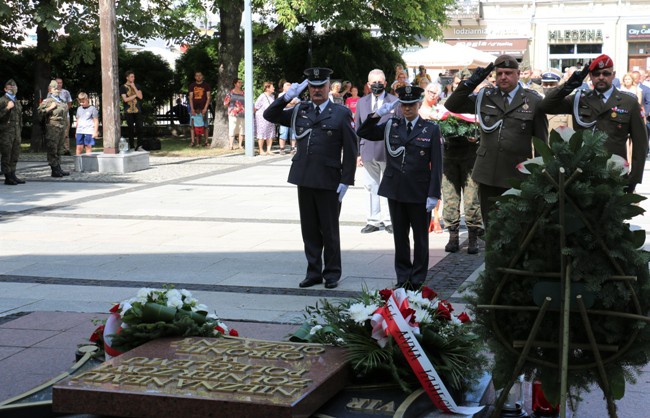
208 377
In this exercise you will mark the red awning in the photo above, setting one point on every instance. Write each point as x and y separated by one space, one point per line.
515 47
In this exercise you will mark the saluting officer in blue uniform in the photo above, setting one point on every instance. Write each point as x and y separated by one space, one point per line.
412 179
323 130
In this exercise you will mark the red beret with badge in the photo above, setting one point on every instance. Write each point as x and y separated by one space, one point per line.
603 61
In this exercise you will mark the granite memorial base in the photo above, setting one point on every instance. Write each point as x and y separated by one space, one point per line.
208 377
112 163
390 401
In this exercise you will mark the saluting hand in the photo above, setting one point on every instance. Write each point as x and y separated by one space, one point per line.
10 105
576 79
386 108
295 90
479 75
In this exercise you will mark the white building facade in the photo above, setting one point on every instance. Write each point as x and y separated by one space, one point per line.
556 34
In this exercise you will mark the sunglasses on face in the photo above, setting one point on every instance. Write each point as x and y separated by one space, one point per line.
599 73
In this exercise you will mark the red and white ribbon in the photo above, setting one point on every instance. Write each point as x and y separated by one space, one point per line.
390 319
113 326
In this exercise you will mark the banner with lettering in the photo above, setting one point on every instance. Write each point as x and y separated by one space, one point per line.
390 319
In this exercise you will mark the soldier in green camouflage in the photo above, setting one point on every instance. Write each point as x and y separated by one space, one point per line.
11 123
457 163
53 111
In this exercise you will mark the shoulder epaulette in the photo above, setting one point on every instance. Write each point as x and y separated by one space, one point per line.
628 93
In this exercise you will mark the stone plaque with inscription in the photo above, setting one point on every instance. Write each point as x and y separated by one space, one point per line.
208 377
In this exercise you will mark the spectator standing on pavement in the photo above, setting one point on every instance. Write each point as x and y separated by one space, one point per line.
52 111
426 112
323 169
422 74
606 109
132 101
199 95
87 129
412 179
235 101
351 102
265 130
509 118
284 130
11 124
66 97
372 155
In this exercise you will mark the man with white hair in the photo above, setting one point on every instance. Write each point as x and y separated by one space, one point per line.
372 155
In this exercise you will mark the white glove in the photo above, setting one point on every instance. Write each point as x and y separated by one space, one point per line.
294 90
386 108
431 203
341 191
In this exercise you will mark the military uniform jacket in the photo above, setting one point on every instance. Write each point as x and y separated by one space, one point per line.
11 121
619 118
416 173
57 116
320 140
501 149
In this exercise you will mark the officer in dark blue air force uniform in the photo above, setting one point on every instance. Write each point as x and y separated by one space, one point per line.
323 130
411 182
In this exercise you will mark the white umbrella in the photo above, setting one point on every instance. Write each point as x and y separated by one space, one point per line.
440 55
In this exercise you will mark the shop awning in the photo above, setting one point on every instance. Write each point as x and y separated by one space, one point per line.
514 47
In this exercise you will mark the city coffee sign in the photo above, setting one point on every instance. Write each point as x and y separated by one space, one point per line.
638 32
575 35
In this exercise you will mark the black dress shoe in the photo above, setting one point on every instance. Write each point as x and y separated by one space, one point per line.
369 228
332 284
389 229
309 282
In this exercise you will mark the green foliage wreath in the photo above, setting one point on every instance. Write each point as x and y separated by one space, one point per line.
599 244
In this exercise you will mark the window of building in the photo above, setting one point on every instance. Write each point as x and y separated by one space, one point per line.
639 48
562 56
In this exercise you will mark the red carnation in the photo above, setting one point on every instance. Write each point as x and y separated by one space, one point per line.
406 312
447 305
115 308
385 294
464 317
428 293
220 330
233 333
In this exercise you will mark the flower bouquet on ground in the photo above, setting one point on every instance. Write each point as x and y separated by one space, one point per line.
156 313
401 336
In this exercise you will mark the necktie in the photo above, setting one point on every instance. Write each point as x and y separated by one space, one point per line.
506 102
601 96
409 127
317 110
374 106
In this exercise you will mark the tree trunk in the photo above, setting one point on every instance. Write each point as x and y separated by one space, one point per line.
231 52
42 72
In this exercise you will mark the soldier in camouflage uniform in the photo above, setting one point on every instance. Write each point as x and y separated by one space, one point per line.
54 112
457 163
11 122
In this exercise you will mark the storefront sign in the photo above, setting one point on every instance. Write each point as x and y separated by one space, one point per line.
638 32
575 35
486 32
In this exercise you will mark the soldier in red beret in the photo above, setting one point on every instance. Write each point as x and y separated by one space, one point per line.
605 108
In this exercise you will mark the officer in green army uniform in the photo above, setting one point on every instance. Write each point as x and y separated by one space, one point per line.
605 108
11 123
53 111
508 117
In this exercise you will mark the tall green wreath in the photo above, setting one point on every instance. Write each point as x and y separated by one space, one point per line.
601 250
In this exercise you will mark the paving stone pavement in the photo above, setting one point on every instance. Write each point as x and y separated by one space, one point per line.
226 228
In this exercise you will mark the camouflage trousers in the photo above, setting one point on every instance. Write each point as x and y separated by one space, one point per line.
54 138
9 149
457 183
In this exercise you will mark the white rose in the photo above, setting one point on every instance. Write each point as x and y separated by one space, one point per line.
173 294
175 303
315 329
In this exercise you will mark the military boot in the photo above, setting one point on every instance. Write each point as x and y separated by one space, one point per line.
16 179
453 244
56 171
9 180
65 173
472 244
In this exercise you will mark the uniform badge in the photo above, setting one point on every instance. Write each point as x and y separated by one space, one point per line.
394 124
619 126
422 153
488 92
525 106
523 126
316 72
424 131
329 133
613 115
